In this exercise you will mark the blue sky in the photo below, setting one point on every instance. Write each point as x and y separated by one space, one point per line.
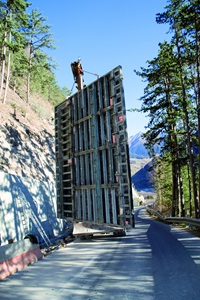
105 34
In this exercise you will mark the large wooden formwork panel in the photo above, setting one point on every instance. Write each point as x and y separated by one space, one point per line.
92 157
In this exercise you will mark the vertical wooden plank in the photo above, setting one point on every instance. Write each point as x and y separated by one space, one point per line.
96 155
114 207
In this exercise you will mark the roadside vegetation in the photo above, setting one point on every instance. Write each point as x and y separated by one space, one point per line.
25 64
172 101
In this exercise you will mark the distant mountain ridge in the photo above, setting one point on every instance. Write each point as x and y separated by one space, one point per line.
143 178
137 148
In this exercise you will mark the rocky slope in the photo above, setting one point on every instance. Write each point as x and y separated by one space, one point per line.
143 179
27 138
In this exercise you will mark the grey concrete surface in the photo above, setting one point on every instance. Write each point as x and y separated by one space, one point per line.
154 261
12 250
26 205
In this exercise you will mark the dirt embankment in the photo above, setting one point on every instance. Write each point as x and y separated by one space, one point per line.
27 138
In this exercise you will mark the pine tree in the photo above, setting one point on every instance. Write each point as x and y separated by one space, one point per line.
181 20
13 16
160 100
38 38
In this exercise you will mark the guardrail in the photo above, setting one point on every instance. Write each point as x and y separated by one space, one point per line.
155 213
190 221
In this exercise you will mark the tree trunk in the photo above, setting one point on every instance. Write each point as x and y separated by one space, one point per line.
8 73
181 194
7 79
189 185
197 35
28 87
29 74
174 189
3 65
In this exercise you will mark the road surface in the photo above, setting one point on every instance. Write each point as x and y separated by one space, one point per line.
154 261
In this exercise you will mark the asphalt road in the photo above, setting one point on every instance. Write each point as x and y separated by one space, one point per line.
154 261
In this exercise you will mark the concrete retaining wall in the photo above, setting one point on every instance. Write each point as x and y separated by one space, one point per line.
17 256
25 206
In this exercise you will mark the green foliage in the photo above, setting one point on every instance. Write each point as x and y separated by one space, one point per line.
163 181
30 65
172 100
23 111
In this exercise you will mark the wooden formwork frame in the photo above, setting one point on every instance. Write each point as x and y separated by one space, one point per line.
92 156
